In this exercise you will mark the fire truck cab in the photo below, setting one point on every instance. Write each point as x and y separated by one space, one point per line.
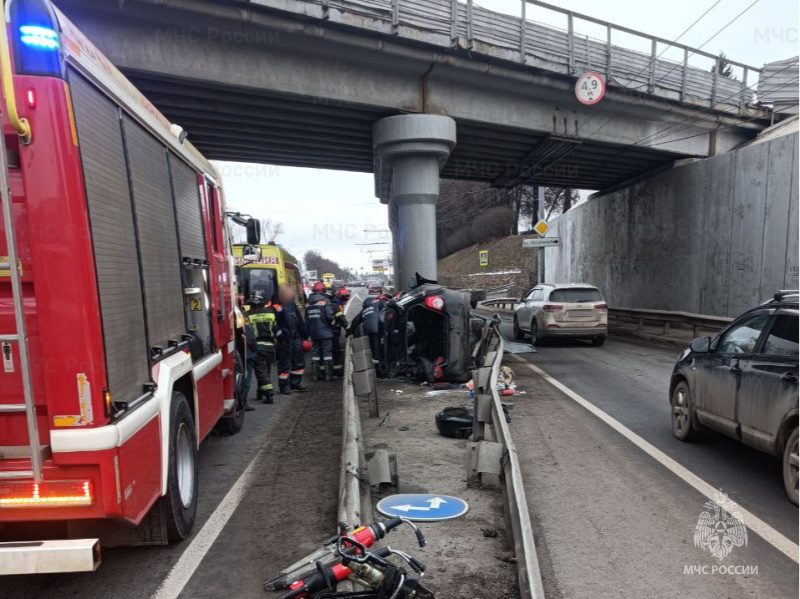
117 323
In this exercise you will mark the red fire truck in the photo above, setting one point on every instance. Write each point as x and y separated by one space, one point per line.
117 325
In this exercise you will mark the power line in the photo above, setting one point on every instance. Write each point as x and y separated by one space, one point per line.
720 128
693 119
694 51
728 24
650 64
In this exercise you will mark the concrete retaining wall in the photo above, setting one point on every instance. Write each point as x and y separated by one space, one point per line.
715 236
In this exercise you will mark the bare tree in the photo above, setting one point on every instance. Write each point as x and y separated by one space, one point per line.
270 231
558 200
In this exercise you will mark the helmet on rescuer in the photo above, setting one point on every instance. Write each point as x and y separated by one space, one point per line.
306 345
258 298
319 287
343 293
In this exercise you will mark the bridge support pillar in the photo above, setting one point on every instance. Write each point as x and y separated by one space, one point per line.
410 151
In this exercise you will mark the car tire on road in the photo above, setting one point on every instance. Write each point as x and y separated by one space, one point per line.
232 423
519 334
598 341
534 331
180 502
681 412
790 466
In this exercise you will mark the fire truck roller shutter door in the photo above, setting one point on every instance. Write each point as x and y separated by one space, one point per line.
155 218
113 236
187 205
186 197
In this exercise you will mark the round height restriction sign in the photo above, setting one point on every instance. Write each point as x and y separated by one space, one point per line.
590 88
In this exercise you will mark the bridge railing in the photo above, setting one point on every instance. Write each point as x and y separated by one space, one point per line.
524 39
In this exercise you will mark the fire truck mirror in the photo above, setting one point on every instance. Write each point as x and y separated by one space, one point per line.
252 253
253 231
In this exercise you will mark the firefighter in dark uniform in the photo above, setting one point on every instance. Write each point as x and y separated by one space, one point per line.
263 317
291 360
320 317
369 318
339 300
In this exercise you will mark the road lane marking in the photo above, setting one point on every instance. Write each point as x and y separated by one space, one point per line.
758 526
190 559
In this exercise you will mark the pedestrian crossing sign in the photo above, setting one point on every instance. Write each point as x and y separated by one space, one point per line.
483 257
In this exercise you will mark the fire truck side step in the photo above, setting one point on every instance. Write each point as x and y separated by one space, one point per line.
15 475
12 407
22 452
49 557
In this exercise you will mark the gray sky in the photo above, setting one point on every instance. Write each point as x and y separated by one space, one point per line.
334 211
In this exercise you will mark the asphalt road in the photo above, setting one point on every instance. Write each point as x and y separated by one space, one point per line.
629 380
611 521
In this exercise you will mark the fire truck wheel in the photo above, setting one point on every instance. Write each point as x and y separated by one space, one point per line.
232 423
180 502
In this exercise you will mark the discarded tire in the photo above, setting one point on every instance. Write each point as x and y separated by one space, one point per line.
455 422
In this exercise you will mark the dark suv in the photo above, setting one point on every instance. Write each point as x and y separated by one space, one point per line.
743 383
430 322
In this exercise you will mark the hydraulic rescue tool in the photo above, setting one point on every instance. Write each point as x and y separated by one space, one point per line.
347 556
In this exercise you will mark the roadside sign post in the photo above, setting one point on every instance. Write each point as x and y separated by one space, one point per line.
540 254
483 261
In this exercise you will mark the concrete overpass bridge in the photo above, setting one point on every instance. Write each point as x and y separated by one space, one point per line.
311 82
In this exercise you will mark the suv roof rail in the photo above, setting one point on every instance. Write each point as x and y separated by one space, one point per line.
784 293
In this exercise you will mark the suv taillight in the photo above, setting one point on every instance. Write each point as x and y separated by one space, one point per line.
434 302
552 308
602 307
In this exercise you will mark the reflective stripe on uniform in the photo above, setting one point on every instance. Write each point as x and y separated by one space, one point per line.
267 387
298 371
283 376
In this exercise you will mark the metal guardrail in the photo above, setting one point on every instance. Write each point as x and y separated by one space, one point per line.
666 318
464 25
500 457
504 303
505 287
354 507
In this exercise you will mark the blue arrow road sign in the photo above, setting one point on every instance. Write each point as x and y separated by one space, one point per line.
428 508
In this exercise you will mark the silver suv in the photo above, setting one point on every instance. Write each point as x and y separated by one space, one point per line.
576 311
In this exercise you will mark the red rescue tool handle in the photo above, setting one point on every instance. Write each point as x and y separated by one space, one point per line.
327 576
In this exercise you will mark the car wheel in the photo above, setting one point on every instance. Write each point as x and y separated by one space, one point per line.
182 487
534 331
682 412
790 467
598 341
519 334
232 423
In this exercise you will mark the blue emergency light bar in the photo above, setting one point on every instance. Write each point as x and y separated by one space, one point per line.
41 38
